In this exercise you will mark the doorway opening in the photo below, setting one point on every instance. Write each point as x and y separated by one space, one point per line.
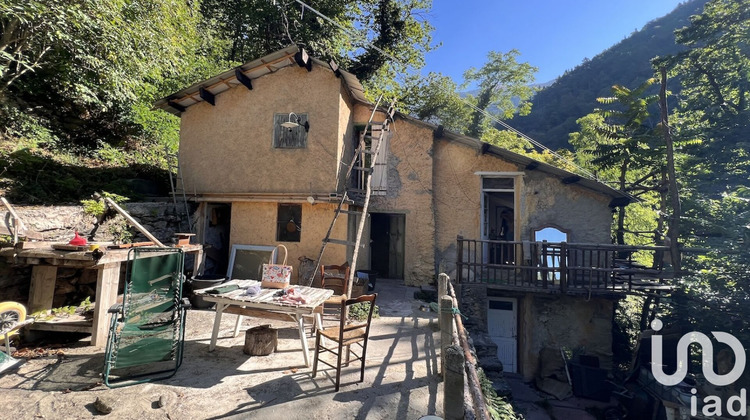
498 219
502 321
387 232
218 217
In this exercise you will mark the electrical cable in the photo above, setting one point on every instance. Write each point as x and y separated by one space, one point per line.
362 38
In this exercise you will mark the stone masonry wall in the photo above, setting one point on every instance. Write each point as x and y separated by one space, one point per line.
58 224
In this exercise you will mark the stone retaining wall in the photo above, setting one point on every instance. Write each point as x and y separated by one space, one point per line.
58 223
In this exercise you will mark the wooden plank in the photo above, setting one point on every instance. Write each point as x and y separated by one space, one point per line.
107 280
133 222
42 287
130 245
238 310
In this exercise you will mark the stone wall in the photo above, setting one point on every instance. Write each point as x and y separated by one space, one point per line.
579 324
58 224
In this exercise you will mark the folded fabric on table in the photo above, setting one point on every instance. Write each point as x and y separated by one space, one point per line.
222 289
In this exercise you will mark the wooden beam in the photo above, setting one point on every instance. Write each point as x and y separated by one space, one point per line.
438 133
133 222
257 313
571 179
207 96
619 202
335 68
107 281
176 106
484 148
42 287
243 79
303 60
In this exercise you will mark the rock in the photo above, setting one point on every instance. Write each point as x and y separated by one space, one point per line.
162 401
104 405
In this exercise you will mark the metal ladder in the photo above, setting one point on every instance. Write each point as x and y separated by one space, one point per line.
370 141
178 188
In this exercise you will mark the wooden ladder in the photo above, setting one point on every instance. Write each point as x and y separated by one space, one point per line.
178 188
370 141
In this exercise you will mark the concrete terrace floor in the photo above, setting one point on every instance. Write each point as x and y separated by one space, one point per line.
401 376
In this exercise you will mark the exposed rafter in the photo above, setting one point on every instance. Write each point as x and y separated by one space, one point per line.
246 81
571 179
439 132
176 106
334 68
303 60
207 96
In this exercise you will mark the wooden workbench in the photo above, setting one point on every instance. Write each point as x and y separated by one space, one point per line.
45 261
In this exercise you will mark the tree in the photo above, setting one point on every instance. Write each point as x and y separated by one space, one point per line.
370 28
501 80
86 70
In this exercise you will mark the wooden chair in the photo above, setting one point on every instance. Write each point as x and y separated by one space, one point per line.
344 336
335 277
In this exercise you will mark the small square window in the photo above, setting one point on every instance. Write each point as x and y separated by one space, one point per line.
290 137
289 223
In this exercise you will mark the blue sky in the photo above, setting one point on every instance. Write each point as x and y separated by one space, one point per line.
553 35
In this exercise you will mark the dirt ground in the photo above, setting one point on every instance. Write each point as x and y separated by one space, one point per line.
401 376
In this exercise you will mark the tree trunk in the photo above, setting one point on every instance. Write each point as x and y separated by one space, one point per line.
260 341
674 195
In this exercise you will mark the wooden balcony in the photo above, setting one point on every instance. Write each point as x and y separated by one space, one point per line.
568 268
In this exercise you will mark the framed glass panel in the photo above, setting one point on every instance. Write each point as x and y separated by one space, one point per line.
489 183
246 261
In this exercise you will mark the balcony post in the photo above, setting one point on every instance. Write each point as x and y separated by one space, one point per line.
563 267
446 329
459 259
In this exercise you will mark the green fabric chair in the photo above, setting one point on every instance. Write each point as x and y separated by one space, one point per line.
147 331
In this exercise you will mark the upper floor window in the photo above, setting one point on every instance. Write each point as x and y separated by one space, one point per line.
289 136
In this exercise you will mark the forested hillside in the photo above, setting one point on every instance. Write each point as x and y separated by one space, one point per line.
556 108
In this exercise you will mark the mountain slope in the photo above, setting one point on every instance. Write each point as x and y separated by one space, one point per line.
556 108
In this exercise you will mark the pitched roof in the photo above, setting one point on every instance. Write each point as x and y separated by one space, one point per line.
619 198
205 90
293 55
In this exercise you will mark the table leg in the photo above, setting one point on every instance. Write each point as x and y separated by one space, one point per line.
318 321
42 287
107 280
217 323
303 339
198 262
237 325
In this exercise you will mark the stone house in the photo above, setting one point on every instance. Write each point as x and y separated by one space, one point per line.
259 183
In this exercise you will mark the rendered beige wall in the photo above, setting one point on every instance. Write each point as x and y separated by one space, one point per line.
543 200
228 148
255 224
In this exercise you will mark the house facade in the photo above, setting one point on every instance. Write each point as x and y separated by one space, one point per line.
258 182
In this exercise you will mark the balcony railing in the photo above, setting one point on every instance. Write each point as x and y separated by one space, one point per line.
562 267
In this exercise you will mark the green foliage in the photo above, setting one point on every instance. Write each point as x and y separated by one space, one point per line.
435 99
360 311
498 407
98 207
501 80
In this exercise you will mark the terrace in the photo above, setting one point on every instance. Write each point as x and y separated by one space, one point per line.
560 267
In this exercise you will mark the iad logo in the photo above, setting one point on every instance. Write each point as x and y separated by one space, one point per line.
712 404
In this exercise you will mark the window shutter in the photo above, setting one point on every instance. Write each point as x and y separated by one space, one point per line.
289 138
379 180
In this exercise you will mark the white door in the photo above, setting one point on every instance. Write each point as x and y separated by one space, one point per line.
502 326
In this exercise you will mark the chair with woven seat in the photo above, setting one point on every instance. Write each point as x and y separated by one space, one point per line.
335 277
344 336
